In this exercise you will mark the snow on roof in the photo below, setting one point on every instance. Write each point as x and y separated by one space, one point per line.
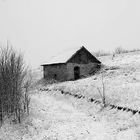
63 56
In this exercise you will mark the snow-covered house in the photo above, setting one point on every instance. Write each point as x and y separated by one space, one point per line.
71 65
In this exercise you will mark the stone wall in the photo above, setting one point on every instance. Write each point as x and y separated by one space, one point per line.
63 72
58 72
84 69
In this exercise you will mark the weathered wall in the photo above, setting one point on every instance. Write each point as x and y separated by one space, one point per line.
58 72
84 69
65 71
83 57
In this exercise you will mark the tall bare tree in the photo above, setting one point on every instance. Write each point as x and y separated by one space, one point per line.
12 81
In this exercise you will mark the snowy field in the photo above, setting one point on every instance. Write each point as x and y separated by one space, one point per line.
56 116
122 82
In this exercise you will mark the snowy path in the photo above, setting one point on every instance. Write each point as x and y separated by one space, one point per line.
54 119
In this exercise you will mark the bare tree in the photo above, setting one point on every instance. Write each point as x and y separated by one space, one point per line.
12 80
120 50
102 92
28 82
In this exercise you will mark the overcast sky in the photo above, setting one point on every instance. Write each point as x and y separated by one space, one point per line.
42 28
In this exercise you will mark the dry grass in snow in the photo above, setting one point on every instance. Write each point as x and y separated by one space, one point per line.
52 119
62 117
122 85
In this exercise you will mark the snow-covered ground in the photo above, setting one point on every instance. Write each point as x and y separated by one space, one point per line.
55 116
122 85
54 119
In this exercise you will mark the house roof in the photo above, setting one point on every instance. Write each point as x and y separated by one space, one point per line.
64 56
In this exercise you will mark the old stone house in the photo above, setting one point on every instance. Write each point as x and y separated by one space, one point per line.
71 65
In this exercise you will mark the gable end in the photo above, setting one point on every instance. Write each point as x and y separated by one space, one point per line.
83 56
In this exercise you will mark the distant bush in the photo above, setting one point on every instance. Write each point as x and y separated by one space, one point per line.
101 53
120 50
134 50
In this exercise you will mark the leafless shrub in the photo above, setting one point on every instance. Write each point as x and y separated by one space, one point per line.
28 84
101 53
12 80
134 50
102 92
120 50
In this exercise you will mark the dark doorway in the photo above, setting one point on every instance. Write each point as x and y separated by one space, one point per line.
55 76
76 72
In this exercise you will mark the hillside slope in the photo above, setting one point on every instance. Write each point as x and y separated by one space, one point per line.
57 116
121 79
54 119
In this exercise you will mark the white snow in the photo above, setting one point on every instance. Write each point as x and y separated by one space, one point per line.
55 119
54 116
